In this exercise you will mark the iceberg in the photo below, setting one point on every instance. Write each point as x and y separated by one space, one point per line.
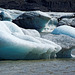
15 44
66 42
5 16
32 20
66 30
67 21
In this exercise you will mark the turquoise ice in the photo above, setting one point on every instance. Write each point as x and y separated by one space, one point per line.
14 44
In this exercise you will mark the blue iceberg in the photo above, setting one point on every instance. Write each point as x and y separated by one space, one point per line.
66 30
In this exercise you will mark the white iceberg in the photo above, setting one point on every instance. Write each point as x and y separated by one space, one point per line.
14 44
66 30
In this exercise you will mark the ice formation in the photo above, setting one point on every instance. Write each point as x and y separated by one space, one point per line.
66 30
14 44
61 14
19 43
31 32
33 20
67 21
6 16
13 13
66 42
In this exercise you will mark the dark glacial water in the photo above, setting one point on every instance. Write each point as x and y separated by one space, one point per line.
38 67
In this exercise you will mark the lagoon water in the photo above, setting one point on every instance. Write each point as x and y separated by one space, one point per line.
38 67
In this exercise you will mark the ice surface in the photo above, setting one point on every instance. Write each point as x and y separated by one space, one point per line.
14 44
31 32
33 20
67 21
60 14
66 42
66 30
50 25
6 16
13 13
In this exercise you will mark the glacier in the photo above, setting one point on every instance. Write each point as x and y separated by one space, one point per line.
31 32
15 44
13 13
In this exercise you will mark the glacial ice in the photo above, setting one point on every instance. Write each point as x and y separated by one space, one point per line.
31 32
6 16
66 30
33 20
19 43
13 13
61 14
14 44
66 42
67 21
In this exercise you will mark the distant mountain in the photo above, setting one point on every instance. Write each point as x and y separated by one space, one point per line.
43 5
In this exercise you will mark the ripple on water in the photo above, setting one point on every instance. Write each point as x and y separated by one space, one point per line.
38 67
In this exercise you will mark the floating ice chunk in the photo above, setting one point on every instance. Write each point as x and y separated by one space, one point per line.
53 21
33 20
13 27
11 13
14 44
6 16
66 30
67 21
66 42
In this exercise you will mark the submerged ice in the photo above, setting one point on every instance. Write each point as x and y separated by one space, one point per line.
15 44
